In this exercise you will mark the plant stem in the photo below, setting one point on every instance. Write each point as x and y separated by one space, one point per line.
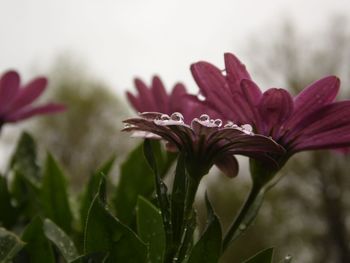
238 222
187 228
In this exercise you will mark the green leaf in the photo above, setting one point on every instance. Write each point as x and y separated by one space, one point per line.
64 244
92 258
38 248
150 229
92 188
161 190
104 233
136 178
7 219
10 245
24 159
208 248
264 256
54 195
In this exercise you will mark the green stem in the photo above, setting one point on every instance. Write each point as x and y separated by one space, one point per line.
187 228
238 222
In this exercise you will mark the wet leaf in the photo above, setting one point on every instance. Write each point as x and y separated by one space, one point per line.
92 188
208 247
264 256
105 234
38 248
136 178
54 195
10 245
8 213
62 241
150 229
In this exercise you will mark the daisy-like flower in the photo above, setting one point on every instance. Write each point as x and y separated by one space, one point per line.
205 142
16 100
154 98
310 120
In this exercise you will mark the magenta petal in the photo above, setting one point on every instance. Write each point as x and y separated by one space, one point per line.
228 165
29 93
209 79
160 94
146 98
235 70
9 86
313 97
275 107
134 101
29 112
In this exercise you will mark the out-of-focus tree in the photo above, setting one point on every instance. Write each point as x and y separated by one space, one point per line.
88 133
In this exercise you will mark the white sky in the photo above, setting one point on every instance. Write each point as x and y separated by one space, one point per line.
119 39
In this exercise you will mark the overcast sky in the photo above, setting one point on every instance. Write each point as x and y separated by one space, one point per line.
119 39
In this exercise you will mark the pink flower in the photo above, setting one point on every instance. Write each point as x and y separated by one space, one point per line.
205 142
310 120
156 99
16 101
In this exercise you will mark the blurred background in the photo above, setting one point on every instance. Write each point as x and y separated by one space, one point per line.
92 50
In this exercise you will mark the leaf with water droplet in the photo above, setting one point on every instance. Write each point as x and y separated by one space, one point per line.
10 245
137 178
264 256
150 229
92 188
38 248
104 233
208 248
62 241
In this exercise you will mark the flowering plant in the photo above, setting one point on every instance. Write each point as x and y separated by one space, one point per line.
150 215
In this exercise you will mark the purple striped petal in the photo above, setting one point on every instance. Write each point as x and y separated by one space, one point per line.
235 71
275 107
160 95
9 86
29 93
31 111
145 96
135 102
313 97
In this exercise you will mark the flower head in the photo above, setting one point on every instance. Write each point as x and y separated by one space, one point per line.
16 100
310 120
205 141
155 99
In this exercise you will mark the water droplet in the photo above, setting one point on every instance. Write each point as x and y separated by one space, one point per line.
204 118
288 259
242 227
164 117
177 116
230 124
200 97
218 122
247 128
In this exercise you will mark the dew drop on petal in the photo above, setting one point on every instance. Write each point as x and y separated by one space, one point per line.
218 122
164 117
204 117
230 124
177 116
247 127
200 97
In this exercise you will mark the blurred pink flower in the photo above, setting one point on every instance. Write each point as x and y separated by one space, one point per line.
205 142
16 101
155 99
310 120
